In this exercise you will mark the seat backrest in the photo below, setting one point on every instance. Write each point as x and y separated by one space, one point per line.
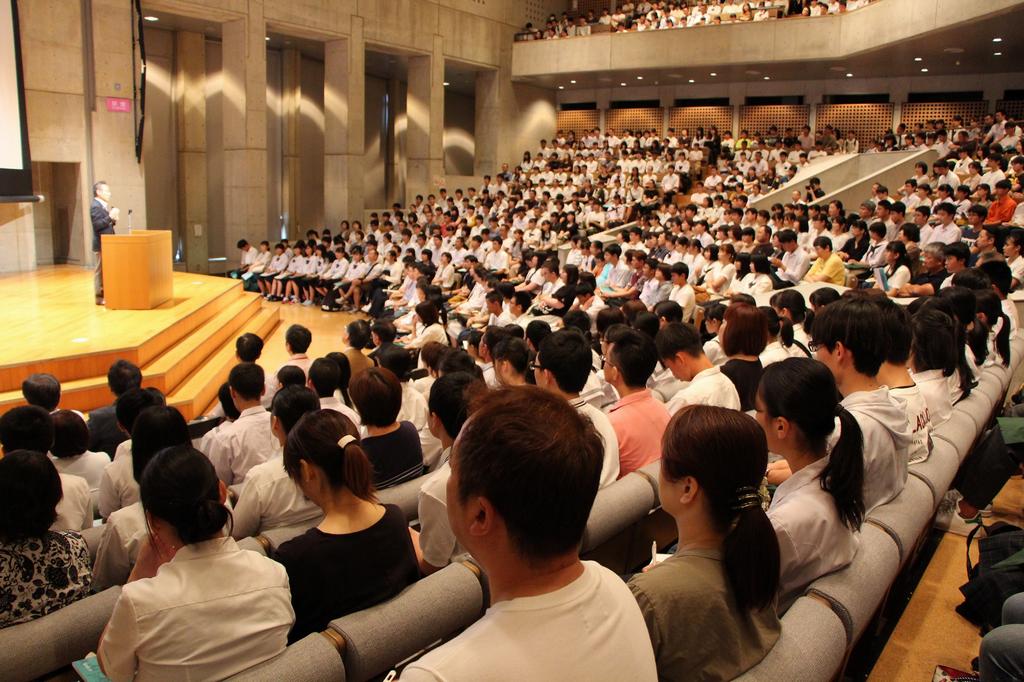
651 472
405 496
312 659
437 607
811 647
617 507
906 517
45 645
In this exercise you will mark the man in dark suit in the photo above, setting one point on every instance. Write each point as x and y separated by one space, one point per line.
104 434
104 217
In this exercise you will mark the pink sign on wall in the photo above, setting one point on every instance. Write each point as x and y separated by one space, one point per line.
119 104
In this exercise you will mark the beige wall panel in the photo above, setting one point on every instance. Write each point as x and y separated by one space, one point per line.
51 45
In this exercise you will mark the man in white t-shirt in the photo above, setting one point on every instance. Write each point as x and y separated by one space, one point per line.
562 367
680 350
524 475
248 440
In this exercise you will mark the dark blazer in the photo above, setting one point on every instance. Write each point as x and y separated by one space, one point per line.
102 223
104 434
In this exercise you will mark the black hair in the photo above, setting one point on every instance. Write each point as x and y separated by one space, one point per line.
291 375
180 487
359 334
315 440
727 453
227 403
958 328
974 279
42 390
856 323
449 400
524 444
325 376
1000 274
248 347
647 323
377 393
156 428
670 311
298 338
385 330
70 434
399 360
344 374
458 360
778 327
537 331
247 380
991 306
514 351
677 337
123 376
633 354
568 356
898 332
133 401
290 403
30 490
934 341
792 301
804 392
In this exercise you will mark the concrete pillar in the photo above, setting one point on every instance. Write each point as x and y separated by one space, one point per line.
344 126
113 133
389 142
487 123
190 86
291 101
245 130
425 114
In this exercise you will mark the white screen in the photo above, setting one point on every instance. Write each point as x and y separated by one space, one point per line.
10 120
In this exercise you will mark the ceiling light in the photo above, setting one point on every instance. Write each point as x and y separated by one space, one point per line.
767 78
151 18
561 87
924 70
691 80
849 75
622 84
713 74
446 84
573 82
918 59
639 78
997 54
268 39
997 40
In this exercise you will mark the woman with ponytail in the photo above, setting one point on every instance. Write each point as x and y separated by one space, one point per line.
933 360
996 325
195 606
361 553
818 510
710 607
780 337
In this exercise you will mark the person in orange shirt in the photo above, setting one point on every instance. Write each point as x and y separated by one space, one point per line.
1001 210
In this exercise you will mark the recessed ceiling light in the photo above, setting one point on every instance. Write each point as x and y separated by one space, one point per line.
561 87
622 84
713 74
917 59
151 18
446 83
997 40
997 54
849 75
767 78
691 80
924 70
573 82
639 78
267 39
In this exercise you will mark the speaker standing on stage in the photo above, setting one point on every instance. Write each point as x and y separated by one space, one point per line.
104 217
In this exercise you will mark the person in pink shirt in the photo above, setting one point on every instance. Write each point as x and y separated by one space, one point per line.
638 418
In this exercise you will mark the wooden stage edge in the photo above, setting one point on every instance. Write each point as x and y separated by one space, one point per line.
53 325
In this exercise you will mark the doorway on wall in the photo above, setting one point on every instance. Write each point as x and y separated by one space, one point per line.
58 218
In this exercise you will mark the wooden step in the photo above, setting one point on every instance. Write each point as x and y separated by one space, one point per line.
197 393
168 370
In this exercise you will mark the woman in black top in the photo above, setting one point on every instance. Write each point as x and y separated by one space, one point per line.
558 302
744 337
361 553
393 447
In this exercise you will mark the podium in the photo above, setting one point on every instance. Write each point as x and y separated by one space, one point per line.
137 269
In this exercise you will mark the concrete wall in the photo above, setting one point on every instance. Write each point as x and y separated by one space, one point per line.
459 133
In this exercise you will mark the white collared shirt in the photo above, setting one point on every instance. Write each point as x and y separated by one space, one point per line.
437 541
812 538
708 387
797 264
270 499
334 403
89 465
238 600
603 425
686 298
414 410
243 444
119 547
118 488
74 511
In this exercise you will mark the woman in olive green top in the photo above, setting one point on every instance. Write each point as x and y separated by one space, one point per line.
710 608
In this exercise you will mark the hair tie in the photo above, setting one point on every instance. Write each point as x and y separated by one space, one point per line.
747 497
345 440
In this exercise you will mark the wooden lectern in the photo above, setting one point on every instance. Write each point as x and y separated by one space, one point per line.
137 269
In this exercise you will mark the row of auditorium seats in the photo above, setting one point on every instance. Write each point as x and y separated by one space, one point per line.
818 633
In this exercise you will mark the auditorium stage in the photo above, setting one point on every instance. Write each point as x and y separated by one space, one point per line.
185 347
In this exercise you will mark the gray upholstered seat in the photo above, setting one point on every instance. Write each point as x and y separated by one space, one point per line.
272 538
906 517
811 647
405 496
435 608
45 645
311 659
617 507
939 469
858 590
959 430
